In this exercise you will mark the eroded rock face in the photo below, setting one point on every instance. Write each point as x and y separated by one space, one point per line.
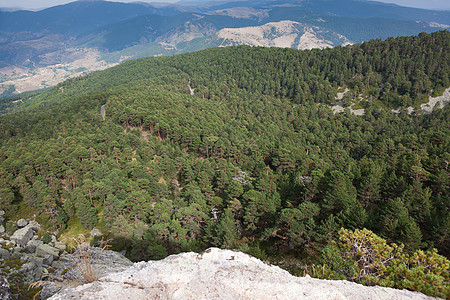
221 274
73 267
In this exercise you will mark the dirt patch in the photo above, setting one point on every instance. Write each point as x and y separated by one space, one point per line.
24 79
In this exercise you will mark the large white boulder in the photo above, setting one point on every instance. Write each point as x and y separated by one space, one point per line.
220 274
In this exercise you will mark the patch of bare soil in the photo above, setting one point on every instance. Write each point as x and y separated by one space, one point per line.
24 79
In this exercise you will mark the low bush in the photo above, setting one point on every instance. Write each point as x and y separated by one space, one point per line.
362 256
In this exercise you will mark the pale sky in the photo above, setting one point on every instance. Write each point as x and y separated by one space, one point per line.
37 4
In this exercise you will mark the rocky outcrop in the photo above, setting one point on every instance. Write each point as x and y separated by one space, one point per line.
220 274
83 265
23 255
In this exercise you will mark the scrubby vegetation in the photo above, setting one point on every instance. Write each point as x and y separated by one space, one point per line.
364 257
254 160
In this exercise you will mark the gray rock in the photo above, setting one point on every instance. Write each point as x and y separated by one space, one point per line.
2 213
33 244
222 274
44 249
29 266
2 229
38 273
22 223
23 235
38 261
71 265
24 258
60 246
35 225
54 240
96 232
5 293
57 265
48 259
4 253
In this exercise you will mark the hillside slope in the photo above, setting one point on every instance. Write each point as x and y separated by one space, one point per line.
237 147
34 44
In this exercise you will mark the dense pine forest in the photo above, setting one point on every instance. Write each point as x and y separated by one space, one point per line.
253 159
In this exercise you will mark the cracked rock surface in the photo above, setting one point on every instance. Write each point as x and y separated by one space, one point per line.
221 274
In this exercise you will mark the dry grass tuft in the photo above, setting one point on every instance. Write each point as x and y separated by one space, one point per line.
84 269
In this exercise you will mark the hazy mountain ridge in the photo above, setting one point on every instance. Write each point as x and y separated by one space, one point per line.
129 30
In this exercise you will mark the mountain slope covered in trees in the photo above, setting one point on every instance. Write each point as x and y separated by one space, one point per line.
254 159
29 37
42 48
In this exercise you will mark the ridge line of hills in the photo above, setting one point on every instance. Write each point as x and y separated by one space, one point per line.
233 147
40 49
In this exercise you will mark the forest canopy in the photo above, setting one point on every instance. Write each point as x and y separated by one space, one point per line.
255 159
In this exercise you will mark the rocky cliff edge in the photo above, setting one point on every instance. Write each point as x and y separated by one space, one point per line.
221 274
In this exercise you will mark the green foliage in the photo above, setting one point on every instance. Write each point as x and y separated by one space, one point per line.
252 159
46 237
364 257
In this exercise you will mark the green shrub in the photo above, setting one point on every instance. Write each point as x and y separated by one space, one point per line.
364 257
10 227
46 237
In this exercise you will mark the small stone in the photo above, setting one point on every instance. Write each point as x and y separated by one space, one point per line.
4 253
38 273
38 261
2 229
33 244
57 265
28 267
22 223
24 258
60 246
45 249
2 212
48 259
34 225
54 240
5 293
96 232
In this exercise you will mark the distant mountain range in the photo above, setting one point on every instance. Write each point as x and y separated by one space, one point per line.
60 36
